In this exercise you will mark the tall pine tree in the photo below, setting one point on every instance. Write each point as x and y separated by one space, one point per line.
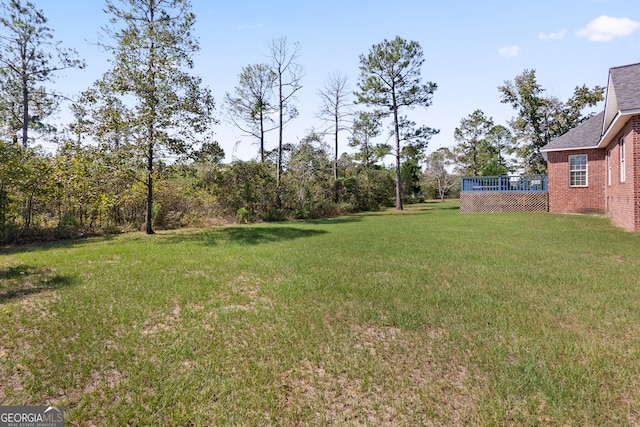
29 58
168 109
390 81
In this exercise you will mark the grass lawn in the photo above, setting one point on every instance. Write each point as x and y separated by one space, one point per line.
424 317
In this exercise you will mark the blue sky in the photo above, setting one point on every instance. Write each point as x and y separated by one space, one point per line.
470 48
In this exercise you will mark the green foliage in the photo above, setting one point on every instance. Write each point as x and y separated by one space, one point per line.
68 226
275 215
481 143
242 215
247 185
307 181
411 174
367 126
96 189
541 118
494 168
366 189
390 76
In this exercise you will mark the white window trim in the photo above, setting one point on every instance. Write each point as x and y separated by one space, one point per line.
586 170
609 166
623 160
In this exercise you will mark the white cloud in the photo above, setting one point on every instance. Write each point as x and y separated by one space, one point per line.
249 27
509 51
605 28
552 36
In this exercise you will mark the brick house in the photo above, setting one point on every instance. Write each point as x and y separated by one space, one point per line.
595 168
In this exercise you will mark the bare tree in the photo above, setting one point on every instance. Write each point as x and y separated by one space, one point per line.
334 109
249 107
287 82
437 173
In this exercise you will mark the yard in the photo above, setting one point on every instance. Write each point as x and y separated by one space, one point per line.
420 317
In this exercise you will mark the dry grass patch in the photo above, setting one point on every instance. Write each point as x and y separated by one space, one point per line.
390 377
244 294
170 320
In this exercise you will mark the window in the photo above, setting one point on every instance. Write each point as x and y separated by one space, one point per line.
609 167
623 169
578 170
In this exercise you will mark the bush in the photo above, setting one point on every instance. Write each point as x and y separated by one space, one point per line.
246 185
67 227
275 215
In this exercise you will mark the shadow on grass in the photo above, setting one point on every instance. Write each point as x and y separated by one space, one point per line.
37 246
244 235
418 209
24 280
335 220
437 208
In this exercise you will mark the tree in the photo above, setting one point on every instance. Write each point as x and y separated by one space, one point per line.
250 106
287 82
168 108
309 176
29 58
473 150
502 145
390 80
104 117
482 146
334 109
366 127
540 119
12 170
411 174
437 173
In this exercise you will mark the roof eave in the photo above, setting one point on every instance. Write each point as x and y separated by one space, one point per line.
549 150
616 126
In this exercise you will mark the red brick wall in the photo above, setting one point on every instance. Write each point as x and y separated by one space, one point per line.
623 198
634 161
566 199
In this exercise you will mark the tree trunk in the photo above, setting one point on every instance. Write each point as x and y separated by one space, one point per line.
335 158
261 134
25 112
280 136
27 218
150 129
149 215
397 132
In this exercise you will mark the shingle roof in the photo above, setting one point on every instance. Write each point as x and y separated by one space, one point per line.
586 135
623 99
626 81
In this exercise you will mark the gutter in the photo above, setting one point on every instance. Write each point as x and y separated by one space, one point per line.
616 126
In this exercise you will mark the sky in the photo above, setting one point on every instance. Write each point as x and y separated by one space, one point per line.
470 48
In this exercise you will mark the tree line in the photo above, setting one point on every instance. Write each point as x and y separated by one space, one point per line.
141 154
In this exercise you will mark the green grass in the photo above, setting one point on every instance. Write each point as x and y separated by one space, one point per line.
424 317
